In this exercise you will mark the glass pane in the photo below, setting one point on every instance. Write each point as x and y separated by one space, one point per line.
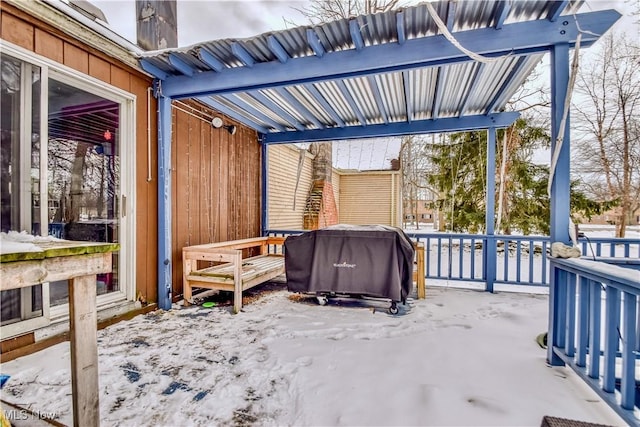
84 173
10 144
20 171
10 306
35 151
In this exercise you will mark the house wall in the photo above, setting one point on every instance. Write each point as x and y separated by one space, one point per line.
28 32
215 176
370 198
216 189
283 170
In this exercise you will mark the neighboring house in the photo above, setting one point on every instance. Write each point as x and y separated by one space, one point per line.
79 135
371 197
361 197
424 209
611 216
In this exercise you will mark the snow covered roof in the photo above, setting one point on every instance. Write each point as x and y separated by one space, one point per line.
366 154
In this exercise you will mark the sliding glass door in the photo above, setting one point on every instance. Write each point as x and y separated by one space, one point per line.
64 173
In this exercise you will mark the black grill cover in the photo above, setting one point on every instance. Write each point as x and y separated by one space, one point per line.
371 260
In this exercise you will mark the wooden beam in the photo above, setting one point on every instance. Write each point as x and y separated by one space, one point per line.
84 351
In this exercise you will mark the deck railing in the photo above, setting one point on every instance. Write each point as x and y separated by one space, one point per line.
594 321
519 260
594 327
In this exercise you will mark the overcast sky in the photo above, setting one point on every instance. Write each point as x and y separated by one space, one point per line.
209 20
215 19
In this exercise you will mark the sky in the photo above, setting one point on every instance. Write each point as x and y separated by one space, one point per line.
214 19
209 20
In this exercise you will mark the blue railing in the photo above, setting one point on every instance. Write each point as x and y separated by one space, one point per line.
594 327
520 260
463 257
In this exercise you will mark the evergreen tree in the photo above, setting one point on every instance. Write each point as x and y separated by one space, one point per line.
459 174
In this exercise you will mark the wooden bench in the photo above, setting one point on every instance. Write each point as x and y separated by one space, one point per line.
231 272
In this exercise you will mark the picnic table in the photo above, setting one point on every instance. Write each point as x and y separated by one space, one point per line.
80 263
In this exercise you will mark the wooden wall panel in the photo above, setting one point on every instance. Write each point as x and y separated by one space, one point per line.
16 30
76 58
48 45
100 69
120 79
216 177
146 192
30 33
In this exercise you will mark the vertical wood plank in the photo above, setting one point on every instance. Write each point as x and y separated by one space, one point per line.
48 45
420 283
224 183
17 31
84 350
215 185
100 69
121 79
237 282
76 58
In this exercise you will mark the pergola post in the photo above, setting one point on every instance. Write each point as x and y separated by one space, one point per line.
559 197
265 189
490 253
164 202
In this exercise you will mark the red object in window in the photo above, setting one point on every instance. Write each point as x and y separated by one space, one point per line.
107 135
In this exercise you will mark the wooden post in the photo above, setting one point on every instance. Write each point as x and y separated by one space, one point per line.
237 283
84 351
420 282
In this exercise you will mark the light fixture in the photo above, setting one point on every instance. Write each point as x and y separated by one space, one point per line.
217 123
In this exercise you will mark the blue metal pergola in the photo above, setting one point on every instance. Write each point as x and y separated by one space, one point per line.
393 73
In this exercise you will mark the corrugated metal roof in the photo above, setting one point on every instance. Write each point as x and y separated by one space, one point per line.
450 89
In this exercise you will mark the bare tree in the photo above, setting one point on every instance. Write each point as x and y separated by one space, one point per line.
607 107
319 11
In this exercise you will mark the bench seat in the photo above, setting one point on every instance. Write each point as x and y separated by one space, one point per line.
233 272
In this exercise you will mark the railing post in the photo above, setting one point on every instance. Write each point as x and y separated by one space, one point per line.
557 305
583 328
595 316
611 338
570 316
628 386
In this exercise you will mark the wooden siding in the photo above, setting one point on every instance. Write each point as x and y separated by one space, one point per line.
23 30
215 183
370 198
283 170
216 176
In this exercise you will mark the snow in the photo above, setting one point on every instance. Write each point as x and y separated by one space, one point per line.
459 357
16 242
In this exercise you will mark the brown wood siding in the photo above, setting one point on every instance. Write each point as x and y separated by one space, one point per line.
216 184
366 198
23 30
283 170
216 176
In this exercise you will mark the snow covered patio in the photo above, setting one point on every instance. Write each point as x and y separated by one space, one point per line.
460 357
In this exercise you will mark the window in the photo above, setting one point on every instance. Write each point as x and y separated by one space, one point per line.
63 173
20 171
